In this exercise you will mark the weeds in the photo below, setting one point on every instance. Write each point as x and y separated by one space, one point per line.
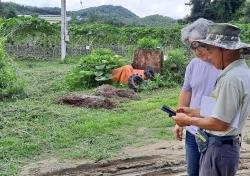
35 127
10 83
148 44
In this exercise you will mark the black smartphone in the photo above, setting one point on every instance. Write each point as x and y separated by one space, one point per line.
168 110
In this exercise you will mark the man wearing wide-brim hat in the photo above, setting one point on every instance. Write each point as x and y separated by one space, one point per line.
220 143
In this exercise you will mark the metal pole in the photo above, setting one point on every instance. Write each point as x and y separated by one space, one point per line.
63 29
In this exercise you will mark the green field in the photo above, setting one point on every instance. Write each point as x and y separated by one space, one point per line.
33 127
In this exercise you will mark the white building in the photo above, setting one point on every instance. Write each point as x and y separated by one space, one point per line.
25 16
53 18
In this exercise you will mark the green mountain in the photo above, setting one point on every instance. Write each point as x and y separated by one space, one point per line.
30 10
106 14
155 21
119 16
106 10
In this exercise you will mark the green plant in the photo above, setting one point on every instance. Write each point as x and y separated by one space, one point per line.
94 69
31 31
156 83
174 67
245 32
9 82
129 55
72 59
36 128
148 44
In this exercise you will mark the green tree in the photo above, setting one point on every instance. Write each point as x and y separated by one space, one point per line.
227 9
246 12
198 8
2 12
94 18
11 13
217 10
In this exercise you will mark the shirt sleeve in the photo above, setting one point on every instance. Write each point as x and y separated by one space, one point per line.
187 79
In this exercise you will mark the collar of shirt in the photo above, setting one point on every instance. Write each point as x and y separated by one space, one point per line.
237 63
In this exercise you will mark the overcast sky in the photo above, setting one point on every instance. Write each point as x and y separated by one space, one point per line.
172 8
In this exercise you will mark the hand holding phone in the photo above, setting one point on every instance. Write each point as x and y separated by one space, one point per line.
168 110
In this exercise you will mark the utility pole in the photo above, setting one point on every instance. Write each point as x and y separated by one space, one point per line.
64 33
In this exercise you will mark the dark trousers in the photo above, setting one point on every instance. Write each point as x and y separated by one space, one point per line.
220 160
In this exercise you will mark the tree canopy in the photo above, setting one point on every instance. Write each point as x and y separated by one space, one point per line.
217 10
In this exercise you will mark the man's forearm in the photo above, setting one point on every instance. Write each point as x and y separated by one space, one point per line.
208 123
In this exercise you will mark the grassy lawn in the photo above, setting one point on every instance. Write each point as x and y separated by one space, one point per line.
34 127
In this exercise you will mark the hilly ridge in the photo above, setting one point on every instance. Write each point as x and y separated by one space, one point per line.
105 14
106 10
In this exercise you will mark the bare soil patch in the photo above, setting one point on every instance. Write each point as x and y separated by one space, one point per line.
104 99
87 101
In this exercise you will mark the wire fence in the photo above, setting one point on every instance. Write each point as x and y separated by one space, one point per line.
23 51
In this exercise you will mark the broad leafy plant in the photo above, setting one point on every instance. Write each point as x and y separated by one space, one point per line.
94 69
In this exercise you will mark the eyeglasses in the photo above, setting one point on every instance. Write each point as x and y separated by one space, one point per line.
195 45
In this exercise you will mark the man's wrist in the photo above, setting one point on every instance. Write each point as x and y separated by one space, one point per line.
196 112
193 120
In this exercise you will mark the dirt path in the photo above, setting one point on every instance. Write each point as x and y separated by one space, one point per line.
162 158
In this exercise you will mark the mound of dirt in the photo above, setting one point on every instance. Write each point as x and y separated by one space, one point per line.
102 100
87 101
109 91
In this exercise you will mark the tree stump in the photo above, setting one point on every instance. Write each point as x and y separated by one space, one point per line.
146 58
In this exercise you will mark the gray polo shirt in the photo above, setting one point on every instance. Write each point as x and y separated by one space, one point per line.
232 90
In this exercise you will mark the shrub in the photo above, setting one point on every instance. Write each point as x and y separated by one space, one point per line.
148 44
9 83
174 67
94 69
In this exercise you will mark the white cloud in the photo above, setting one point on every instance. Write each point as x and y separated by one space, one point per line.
171 8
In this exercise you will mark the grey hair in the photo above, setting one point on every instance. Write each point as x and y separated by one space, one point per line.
195 31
